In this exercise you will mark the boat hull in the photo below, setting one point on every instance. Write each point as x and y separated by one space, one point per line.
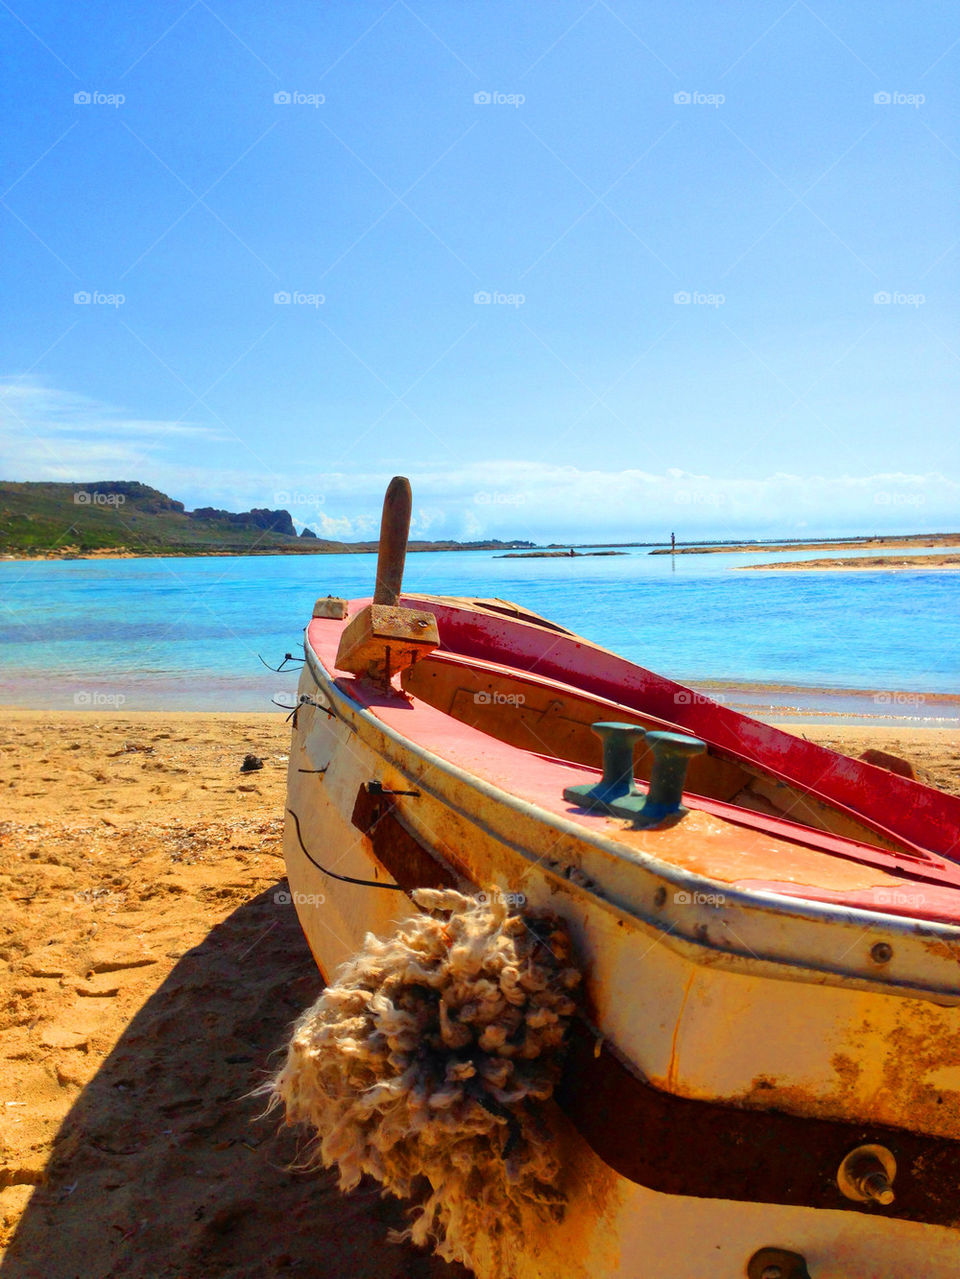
694 1021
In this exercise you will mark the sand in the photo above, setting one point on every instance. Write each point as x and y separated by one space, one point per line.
933 752
150 975
865 564
891 542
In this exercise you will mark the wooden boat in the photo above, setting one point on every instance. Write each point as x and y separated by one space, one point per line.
766 1075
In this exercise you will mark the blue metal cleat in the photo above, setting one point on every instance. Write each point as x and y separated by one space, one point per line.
617 783
672 753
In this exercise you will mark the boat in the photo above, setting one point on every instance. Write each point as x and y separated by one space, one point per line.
763 1076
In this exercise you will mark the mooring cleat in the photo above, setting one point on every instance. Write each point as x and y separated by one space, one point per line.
672 753
617 784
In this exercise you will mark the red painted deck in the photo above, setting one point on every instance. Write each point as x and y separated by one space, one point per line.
725 843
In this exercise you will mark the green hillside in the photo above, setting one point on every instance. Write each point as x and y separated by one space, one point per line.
124 516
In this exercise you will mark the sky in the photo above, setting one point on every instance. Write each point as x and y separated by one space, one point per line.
581 270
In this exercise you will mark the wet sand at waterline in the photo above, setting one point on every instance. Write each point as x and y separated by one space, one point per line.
150 976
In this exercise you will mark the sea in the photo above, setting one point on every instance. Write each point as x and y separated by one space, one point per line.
200 634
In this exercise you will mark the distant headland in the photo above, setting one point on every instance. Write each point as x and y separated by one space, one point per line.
123 518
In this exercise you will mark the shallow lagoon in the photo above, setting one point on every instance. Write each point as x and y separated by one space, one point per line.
186 633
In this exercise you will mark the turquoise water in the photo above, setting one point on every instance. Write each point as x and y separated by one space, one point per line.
185 633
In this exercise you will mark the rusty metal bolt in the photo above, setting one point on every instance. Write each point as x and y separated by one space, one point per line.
876 1186
777 1263
881 952
866 1175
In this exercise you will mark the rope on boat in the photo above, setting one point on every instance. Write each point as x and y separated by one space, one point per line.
344 879
428 1064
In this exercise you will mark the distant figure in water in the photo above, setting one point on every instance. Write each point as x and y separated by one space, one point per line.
571 550
673 543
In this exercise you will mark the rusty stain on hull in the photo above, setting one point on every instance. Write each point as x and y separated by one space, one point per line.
409 864
673 1067
684 1146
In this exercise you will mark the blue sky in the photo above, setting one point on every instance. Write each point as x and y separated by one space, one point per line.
687 219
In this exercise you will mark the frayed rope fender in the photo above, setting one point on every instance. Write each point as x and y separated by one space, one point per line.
426 1064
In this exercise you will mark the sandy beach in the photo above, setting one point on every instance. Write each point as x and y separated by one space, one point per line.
151 973
909 541
149 976
866 564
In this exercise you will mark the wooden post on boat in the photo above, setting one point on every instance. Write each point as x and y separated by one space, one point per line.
384 638
394 532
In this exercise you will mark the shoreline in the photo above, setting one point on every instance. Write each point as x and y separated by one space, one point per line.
782 703
172 553
821 690
907 541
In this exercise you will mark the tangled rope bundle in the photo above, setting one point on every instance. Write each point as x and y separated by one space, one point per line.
424 1060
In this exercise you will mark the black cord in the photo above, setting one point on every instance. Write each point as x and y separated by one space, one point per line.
345 879
287 657
306 700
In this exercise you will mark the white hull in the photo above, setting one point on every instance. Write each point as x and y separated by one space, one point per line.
735 1025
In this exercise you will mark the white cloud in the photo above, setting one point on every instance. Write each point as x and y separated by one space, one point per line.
49 434
472 528
425 518
505 498
338 529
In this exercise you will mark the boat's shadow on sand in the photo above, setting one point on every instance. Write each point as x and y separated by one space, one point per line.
163 1166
